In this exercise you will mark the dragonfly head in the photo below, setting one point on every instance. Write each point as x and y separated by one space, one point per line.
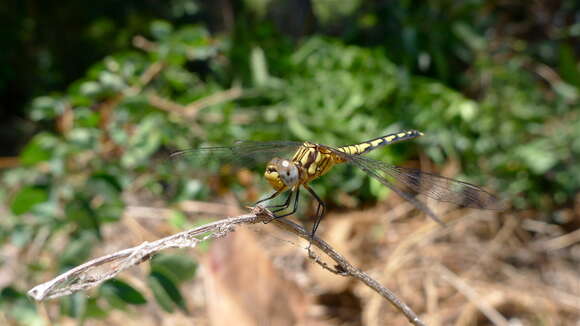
282 174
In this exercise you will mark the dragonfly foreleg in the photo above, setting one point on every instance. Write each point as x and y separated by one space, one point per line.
272 196
285 205
297 195
282 206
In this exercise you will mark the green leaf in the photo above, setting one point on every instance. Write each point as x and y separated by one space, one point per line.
27 198
90 88
161 29
47 107
178 219
166 292
162 297
107 189
39 149
537 156
259 67
84 117
78 250
21 309
80 212
569 69
10 294
113 300
143 142
106 184
94 310
74 305
466 33
178 268
124 292
112 82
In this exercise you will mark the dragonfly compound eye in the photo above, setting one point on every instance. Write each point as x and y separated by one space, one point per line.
274 172
288 173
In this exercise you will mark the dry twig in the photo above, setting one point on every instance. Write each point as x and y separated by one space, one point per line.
191 110
560 242
489 311
98 270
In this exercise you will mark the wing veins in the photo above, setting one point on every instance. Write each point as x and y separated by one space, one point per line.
431 185
240 148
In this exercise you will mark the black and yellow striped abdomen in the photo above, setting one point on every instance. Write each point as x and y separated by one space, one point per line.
372 144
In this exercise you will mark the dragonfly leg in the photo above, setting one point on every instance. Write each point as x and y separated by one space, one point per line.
320 210
282 206
296 197
272 196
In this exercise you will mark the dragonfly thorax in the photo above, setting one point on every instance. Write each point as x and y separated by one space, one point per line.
282 174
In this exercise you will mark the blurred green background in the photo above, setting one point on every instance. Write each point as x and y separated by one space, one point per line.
96 95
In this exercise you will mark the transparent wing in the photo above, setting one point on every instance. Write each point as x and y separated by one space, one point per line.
243 152
409 182
443 189
404 194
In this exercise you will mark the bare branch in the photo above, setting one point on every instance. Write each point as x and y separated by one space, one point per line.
191 110
144 44
98 270
227 95
560 242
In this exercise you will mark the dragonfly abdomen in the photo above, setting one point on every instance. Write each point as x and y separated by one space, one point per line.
369 145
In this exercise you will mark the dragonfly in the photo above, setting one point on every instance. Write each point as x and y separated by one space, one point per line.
311 161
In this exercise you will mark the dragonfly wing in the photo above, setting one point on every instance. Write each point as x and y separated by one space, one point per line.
244 152
409 196
431 185
444 189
